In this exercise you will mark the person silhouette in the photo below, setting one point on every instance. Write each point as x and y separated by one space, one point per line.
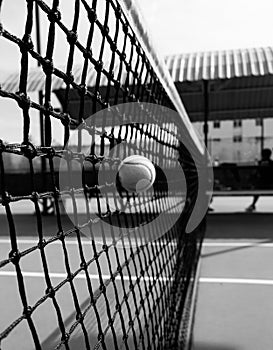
263 176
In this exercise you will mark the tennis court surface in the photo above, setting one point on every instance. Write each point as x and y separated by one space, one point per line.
234 308
127 297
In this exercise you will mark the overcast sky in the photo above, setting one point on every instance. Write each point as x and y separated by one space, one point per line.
175 25
200 25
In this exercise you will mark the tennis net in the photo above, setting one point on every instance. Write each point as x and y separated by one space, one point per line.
125 266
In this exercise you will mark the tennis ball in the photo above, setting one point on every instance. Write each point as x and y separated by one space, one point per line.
136 174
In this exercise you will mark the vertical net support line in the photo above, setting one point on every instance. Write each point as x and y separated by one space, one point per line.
192 250
118 283
188 250
185 336
40 99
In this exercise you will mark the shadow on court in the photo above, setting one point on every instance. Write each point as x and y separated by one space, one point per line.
240 226
26 225
234 249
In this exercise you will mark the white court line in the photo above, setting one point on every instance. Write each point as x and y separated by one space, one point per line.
74 242
265 282
80 276
238 244
68 242
216 280
236 281
87 242
127 245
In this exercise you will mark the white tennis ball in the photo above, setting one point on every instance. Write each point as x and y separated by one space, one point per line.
136 173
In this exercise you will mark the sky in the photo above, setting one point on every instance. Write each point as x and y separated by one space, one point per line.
176 26
200 25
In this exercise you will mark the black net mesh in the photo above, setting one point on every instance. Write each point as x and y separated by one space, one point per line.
108 292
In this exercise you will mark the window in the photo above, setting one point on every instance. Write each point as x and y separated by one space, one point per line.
237 138
237 123
258 122
216 124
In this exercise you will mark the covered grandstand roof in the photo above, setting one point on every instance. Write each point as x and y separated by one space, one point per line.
240 82
225 64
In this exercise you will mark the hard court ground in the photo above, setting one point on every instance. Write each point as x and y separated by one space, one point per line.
234 309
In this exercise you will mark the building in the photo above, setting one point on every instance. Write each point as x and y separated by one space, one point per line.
229 97
238 141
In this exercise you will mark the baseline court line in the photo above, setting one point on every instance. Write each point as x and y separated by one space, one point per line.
263 282
80 276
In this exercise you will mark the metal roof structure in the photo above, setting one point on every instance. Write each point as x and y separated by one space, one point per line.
37 78
221 64
230 84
